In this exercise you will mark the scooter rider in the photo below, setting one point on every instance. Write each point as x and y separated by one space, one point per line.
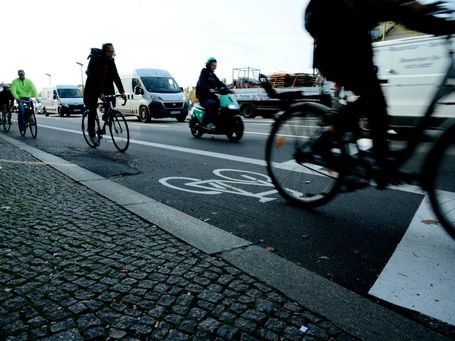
207 86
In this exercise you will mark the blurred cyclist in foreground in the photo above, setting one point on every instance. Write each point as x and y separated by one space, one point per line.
344 54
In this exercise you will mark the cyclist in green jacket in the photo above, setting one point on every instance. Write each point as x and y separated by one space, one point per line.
22 90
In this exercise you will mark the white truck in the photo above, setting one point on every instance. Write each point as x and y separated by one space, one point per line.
254 101
410 71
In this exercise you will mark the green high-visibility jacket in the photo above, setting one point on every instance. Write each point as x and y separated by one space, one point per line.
23 89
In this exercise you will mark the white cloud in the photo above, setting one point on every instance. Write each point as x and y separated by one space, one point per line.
49 37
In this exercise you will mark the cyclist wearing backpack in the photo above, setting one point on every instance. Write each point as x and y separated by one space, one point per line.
101 75
344 54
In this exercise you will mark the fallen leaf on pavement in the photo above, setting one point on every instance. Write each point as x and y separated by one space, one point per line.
270 249
430 222
324 258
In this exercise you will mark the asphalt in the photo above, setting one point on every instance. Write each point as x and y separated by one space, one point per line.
299 297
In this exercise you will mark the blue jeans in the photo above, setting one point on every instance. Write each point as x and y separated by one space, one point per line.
20 103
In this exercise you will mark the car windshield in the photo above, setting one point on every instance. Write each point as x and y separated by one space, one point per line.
69 93
161 84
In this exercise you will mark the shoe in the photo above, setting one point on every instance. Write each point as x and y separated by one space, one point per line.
211 126
95 141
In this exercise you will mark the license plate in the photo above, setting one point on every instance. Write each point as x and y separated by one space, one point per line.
175 112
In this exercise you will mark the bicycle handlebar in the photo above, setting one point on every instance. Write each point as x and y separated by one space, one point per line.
114 96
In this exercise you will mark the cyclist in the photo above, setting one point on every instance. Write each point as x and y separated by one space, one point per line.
22 90
344 54
206 88
101 75
6 98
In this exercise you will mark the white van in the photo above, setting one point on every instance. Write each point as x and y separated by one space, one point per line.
153 93
410 71
62 100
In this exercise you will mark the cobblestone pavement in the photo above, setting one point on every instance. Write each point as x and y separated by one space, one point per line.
75 266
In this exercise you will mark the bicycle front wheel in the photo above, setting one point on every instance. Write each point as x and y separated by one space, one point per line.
296 175
120 133
7 124
441 180
33 126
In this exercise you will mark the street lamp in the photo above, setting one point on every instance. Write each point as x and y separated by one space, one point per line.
82 75
49 75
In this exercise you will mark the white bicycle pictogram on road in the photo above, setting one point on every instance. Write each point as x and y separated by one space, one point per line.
228 182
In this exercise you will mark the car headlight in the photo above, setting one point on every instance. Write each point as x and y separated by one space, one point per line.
233 107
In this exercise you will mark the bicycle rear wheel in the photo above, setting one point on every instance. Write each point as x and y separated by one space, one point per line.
298 178
4 120
120 133
84 127
32 124
441 180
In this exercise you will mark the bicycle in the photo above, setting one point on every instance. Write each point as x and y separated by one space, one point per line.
116 122
6 118
312 181
29 119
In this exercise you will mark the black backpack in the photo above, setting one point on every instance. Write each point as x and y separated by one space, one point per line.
95 52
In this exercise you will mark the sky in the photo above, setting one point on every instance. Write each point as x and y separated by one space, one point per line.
49 37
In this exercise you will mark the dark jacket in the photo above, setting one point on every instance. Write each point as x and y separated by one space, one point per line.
101 75
207 80
6 98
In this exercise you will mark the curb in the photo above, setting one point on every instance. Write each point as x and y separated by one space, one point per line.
349 311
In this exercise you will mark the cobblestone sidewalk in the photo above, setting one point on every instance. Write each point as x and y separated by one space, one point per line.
75 266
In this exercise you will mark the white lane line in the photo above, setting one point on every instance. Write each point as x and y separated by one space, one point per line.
420 275
179 149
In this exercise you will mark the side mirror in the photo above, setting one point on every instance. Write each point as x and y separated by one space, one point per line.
181 89
55 97
138 90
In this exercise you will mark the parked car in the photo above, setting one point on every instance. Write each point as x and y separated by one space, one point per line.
62 100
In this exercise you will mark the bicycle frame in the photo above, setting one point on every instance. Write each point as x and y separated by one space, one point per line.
108 107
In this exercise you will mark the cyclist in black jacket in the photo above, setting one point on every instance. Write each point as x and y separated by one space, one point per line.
206 88
6 98
101 75
344 53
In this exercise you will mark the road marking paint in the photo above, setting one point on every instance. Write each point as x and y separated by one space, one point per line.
420 275
217 186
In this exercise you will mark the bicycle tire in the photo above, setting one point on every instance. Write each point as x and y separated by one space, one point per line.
301 183
8 124
33 125
84 127
117 127
23 129
439 168
4 120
